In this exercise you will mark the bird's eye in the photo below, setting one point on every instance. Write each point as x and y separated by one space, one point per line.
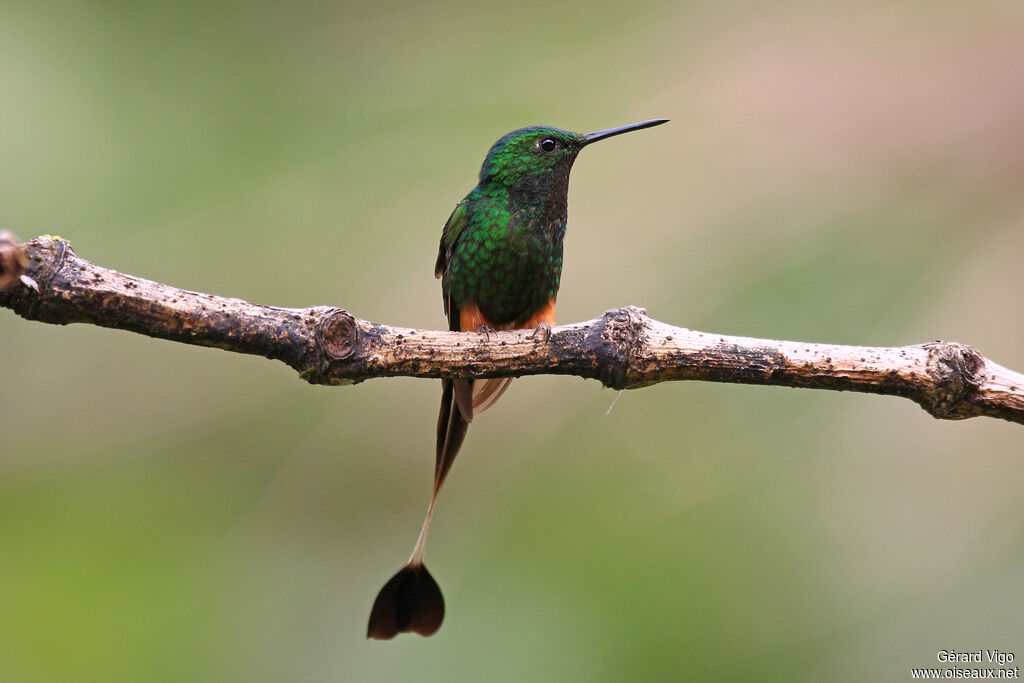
548 145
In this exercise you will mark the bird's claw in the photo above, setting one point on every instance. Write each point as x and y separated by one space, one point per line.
542 333
486 331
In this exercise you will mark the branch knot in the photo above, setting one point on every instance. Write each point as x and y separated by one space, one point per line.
338 335
622 337
954 368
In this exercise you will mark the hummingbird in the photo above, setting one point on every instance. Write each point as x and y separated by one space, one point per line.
500 263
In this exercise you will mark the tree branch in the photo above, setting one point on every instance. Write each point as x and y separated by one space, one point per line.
45 280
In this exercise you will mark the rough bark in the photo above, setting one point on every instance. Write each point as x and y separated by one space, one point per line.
45 280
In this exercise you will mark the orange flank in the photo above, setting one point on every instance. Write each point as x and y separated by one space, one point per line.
544 315
471 319
485 392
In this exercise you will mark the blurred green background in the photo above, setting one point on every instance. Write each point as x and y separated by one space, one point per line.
845 172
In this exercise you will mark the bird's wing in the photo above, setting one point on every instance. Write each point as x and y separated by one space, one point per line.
453 420
470 396
449 235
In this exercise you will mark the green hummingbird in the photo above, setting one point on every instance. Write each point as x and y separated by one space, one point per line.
500 262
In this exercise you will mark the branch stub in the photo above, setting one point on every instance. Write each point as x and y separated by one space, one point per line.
338 335
954 367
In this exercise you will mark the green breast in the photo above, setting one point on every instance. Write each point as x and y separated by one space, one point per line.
508 260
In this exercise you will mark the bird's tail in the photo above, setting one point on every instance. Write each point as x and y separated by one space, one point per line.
411 601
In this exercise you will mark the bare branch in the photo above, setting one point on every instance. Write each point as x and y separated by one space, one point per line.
624 348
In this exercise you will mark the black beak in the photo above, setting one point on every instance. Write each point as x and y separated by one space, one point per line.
602 134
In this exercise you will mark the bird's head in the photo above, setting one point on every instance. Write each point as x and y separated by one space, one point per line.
542 156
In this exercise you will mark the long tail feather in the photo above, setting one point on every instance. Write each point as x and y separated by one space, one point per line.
464 397
411 601
452 424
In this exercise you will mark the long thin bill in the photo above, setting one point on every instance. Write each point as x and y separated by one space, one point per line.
602 134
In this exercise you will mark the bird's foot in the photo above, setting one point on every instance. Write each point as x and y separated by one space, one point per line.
486 331
542 333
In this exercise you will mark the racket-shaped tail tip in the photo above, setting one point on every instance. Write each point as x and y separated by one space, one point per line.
410 602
